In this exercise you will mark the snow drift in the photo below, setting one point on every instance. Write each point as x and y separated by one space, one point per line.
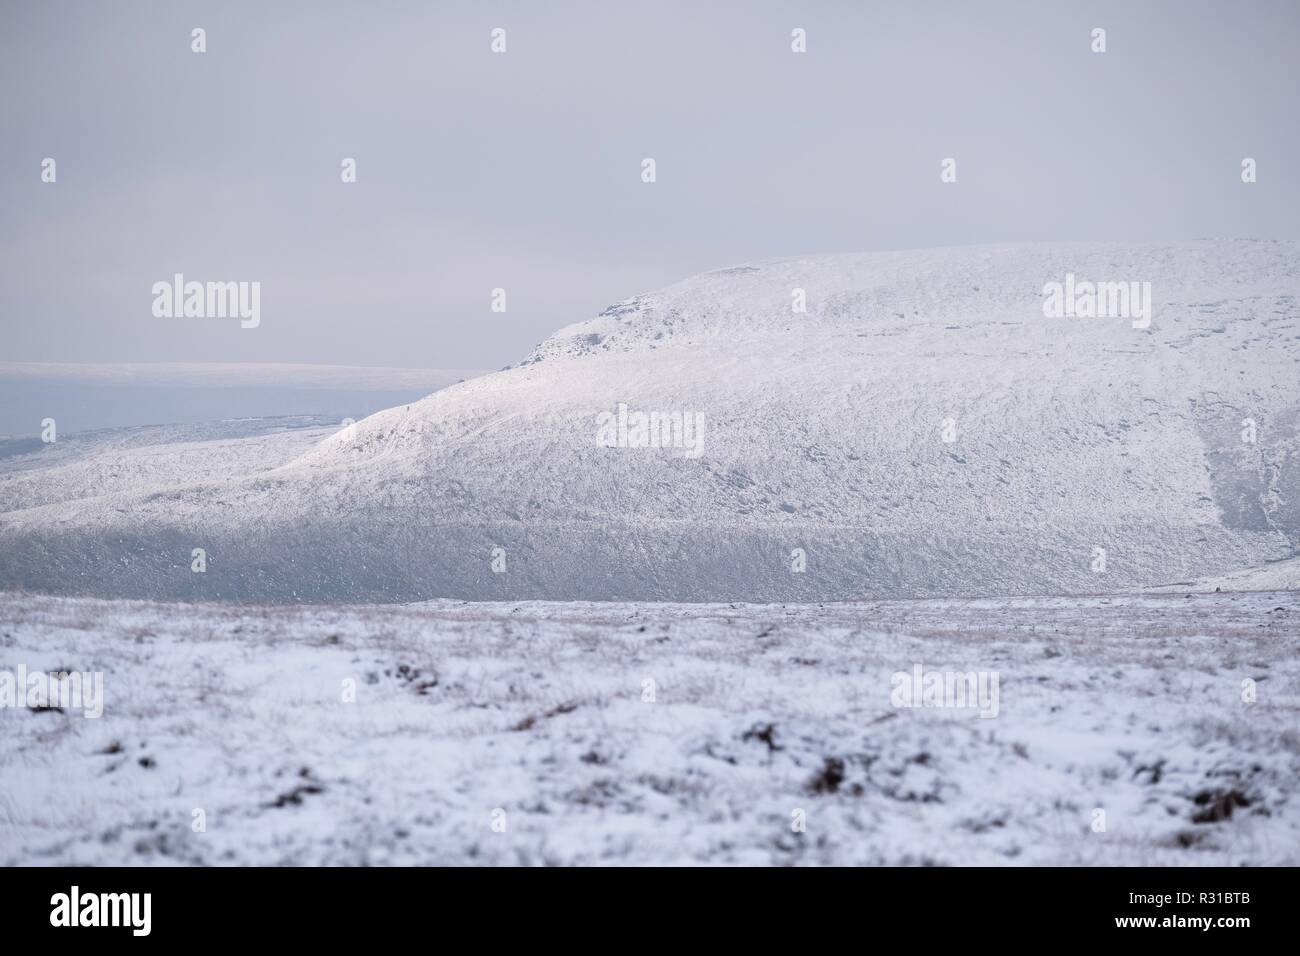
923 429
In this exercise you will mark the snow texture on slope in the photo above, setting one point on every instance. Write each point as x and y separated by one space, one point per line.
823 432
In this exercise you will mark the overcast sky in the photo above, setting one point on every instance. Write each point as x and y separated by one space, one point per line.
522 170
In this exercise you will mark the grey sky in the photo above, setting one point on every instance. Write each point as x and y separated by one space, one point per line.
523 170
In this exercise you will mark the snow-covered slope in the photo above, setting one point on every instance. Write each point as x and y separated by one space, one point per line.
823 433
1278 576
131 461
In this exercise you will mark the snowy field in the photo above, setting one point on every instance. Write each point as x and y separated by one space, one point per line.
524 733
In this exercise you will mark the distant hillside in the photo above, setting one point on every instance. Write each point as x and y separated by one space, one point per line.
823 443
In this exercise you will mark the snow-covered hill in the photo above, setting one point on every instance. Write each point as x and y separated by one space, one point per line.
921 430
144 459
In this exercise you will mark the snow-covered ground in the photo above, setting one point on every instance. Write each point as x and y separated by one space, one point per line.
536 715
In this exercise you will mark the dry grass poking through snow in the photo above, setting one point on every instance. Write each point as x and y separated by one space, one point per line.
1129 704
